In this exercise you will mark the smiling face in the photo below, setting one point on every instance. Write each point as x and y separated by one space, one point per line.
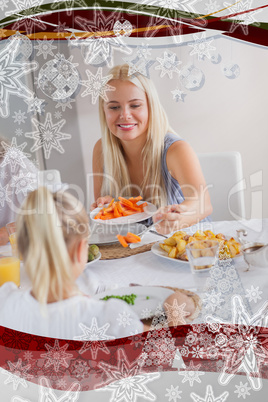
126 111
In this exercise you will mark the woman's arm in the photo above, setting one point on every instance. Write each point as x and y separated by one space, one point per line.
3 236
97 167
183 165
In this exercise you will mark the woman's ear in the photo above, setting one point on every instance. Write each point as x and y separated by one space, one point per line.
80 250
76 251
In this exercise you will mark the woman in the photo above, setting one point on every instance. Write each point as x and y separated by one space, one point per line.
52 236
140 154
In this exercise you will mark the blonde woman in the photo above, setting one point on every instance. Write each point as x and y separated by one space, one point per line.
140 154
52 236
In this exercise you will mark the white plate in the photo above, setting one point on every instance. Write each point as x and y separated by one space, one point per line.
157 250
95 259
149 211
105 234
145 308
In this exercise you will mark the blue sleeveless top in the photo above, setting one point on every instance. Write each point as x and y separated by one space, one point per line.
173 189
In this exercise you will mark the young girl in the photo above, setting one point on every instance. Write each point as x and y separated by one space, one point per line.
140 154
52 236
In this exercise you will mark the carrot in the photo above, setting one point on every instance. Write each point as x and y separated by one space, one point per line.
122 240
117 214
132 238
98 216
107 216
128 203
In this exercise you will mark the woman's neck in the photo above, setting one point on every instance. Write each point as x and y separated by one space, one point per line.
133 151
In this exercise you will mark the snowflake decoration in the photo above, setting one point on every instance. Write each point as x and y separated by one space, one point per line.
197 352
48 135
3 175
137 338
61 384
212 7
95 334
178 95
24 183
56 355
176 313
61 29
146 313
124 319
144 51
168 65
35 105
79 369
19 132
242 390
3 4
243 17
69 5
201 47
191 374
97 48
46 392
209 396
212 300
160 348
96 85
126 381
244 350
139 66
253 294
11 73
58 115
14 154
28 9
191 338
28 355
17 374
65 103
19 117
4 195
173 393
45 47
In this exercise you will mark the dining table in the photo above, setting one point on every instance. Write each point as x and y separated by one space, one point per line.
222 354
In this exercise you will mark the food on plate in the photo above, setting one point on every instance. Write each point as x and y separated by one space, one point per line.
129 238
93 251
122 207
130 299
175 245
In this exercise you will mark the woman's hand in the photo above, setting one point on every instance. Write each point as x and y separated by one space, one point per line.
3 236
178 307
172 216
100 202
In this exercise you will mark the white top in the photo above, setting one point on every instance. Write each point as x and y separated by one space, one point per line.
78 317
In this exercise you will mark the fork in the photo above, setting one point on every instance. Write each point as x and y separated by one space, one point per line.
149 229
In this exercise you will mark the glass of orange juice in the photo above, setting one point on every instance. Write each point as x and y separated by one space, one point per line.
9 268
11 229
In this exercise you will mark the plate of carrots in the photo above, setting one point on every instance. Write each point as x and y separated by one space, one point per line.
123 211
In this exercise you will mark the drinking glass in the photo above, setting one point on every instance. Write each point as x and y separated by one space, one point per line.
11 229
202 255
9 268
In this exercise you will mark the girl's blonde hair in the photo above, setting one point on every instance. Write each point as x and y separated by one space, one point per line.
114 162
48 227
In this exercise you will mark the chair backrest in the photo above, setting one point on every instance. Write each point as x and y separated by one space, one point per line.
224 177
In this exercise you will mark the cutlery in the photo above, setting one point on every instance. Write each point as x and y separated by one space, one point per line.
149 229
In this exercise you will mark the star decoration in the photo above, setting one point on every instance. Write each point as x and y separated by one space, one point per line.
209 396
178 95
176 313
126 381
96 85
48 135
35 105
94 337
14 154
139 65
24 183
45 47
246 351
168 65
56 355
191 374
201 47
17 374
11 73
243 17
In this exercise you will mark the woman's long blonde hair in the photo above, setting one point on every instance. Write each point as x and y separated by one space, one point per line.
116 180
48 226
